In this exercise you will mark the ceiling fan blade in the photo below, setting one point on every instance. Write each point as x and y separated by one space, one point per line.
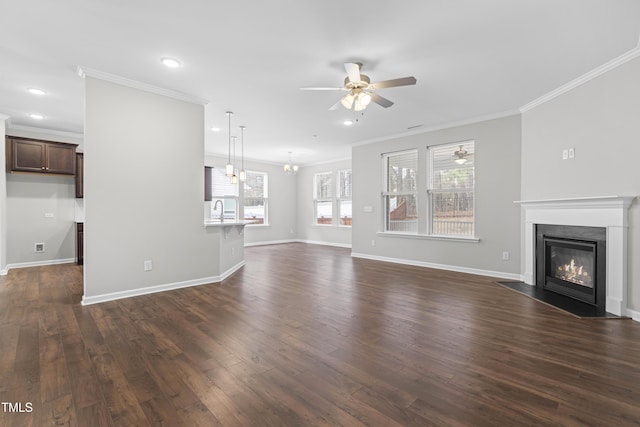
336 105
384 102
321 88
403 81
353 71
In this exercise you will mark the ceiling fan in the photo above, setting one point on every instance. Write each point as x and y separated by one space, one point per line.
361 90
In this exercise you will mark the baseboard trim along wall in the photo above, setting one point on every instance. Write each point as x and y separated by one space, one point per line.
635 315
477 271
161 288
311 242
5 271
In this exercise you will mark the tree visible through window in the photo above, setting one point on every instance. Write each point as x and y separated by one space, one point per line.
344 197
452 189
400 193
323 198
256 198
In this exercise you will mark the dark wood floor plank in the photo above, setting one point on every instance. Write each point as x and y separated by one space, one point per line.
306 335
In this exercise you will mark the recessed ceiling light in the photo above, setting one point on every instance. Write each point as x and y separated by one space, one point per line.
215 129
348 122
171 62
36 116
36 91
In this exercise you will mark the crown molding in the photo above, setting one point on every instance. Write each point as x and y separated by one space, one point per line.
421 130
90 72
44 131
596 72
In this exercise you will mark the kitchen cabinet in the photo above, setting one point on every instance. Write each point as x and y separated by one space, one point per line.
80 242
39 156
79 175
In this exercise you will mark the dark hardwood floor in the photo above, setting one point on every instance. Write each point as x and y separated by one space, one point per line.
306 335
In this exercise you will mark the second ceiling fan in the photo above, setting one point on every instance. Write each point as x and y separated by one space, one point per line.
361 90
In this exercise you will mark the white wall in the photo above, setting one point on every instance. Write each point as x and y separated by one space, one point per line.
308 231
600 119
3 203
497 145
144 186
29 197
282 203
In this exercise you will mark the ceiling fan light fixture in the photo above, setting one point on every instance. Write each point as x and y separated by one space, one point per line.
364 98
460 156
347 101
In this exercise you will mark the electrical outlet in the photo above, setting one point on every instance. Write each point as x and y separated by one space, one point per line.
38 247
505 256
48 215
148 265
572 152
565 154
233 251
373 242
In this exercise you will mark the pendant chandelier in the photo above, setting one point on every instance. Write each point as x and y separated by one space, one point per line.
290 168
229 168
234 174
243 174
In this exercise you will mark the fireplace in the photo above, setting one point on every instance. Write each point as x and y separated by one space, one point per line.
571 260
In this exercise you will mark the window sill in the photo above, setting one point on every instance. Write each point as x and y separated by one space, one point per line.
461 239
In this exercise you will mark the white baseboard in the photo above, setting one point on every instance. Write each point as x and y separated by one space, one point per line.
270 242
319 242
311 242
161 288
635 315
477 271
5 271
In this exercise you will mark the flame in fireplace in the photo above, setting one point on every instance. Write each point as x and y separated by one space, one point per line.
574 273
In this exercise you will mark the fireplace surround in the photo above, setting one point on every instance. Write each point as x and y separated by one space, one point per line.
608 212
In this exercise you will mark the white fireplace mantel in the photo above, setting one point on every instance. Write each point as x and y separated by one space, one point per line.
610 212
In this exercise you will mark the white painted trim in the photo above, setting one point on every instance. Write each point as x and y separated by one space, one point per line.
161 288
635 315
319 242
45 131
478 119
476 271
84 72
596 72
36 264
269 242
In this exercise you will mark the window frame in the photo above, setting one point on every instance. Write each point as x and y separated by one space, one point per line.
264 198
340 197
431 191
317 200
387 194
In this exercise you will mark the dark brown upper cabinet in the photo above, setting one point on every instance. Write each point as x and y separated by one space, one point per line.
79 175
35 155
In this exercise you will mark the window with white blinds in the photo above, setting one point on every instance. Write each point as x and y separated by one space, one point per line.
452 189
323 190
256 198
226 192
401 191
344 197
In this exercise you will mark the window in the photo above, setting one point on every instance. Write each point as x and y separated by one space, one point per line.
451 189
226 192
400 192
256 198
344 198
323 198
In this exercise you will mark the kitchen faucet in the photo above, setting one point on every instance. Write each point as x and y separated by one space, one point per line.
221 209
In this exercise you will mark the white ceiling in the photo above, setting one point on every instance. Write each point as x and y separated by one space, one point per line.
471 59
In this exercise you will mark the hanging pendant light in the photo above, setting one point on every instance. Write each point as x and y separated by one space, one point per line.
234 174
243 174
229 168
290 168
